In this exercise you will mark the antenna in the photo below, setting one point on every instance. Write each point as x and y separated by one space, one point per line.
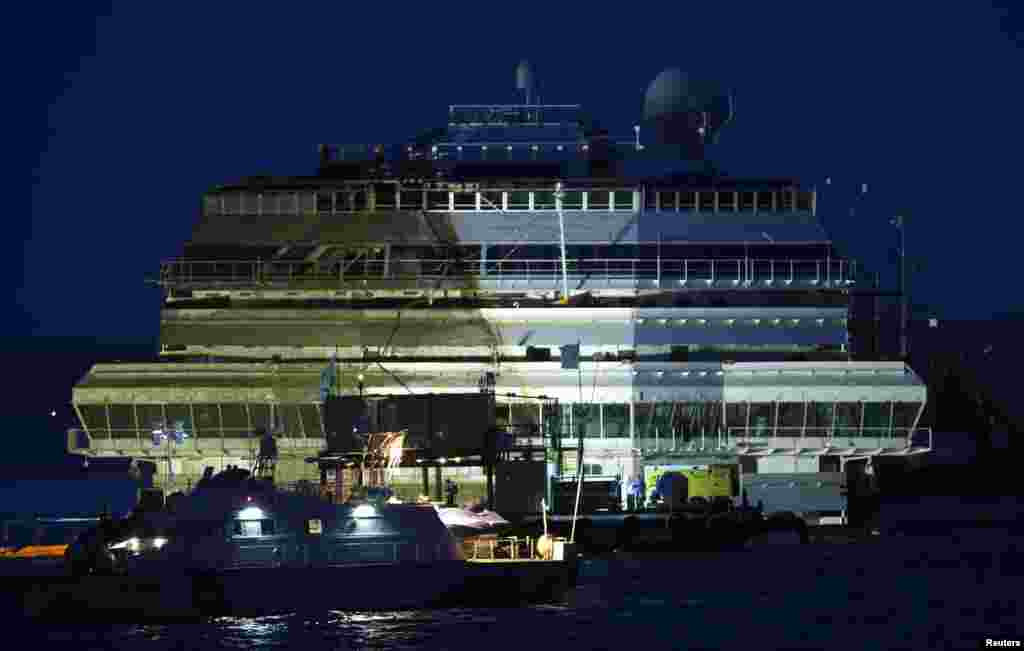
524 79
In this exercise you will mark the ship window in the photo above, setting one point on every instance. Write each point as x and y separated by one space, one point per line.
727 201
572 201
308 200
342 202
323 202
707 201
847 420
437 201
746 201
650 200
786 200
819 418
254 528
904 414
465 201
385 196
791 418
736 417
411 199
543 200
232 203
762 418
616 420
667 200
359 199
598 200
490 201
765 201
587 417
211 204
623 199
518 200
876 418
687 200
207 419
803 201
556 419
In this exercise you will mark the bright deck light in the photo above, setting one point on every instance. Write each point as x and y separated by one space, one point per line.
364 511
250 513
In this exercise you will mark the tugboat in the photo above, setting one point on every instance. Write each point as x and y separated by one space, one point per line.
238 545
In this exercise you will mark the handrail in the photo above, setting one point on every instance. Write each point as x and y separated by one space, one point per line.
787 438
738 270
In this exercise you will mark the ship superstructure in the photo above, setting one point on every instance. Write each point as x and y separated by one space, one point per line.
710 312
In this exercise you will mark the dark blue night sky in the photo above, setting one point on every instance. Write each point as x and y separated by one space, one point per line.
120 116
133 113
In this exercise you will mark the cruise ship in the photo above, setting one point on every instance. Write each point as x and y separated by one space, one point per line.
620 297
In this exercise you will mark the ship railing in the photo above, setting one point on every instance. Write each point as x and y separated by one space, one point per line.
115 439
781 439
744 272
480 548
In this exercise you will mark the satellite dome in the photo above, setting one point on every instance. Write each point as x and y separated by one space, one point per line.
683 109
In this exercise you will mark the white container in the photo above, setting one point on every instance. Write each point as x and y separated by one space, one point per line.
564 551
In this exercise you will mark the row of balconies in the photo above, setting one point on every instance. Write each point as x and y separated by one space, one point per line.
391 196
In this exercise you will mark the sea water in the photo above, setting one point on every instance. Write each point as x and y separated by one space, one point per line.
937 591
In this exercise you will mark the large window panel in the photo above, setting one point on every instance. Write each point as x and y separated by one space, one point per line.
151 417
122 421
587 417
519 200
736 416
876 418
259 412
287 420
236 424
556 419
819 418
598 200
525 416
847 419
904 414
544 200
791 418
762 418
207 419
178 415
623 199
572 200
616 420
311 420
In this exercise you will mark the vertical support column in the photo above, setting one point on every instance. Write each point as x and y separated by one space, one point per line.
892 416
110 429
483 258
302 425
803 428
387 261
426 480
220 423
725 420
438 485
192 417
835 412
135 419
863 409
775 421
632 425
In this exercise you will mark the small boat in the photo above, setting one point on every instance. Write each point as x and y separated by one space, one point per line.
239 546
